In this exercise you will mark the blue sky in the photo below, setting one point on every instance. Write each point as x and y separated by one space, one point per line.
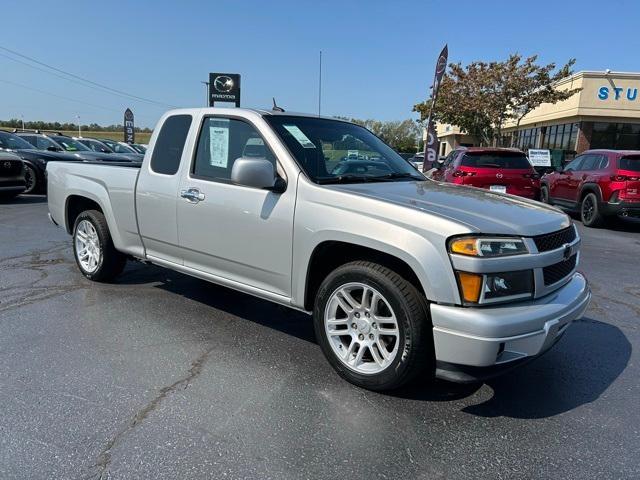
378 56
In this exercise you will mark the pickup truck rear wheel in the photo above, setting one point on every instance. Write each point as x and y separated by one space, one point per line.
373 326
93 249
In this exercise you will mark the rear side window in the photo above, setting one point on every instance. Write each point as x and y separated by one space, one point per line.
170 144
630 163
495 160
590 162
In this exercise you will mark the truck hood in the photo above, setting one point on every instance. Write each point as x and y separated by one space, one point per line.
478 209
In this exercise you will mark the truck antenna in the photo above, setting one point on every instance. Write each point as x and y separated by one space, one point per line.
276 108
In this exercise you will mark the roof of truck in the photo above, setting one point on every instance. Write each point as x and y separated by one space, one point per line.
259 111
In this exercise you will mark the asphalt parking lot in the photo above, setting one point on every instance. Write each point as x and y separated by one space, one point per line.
165 376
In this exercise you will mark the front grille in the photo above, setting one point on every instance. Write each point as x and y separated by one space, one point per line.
10 168
556 272
551 241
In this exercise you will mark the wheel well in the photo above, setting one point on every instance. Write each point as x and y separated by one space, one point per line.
330 255
75 206
590 189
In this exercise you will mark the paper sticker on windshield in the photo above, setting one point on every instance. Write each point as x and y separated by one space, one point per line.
219 143
299 136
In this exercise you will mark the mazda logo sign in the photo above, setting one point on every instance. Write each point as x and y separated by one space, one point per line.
6 164
498 175
223 84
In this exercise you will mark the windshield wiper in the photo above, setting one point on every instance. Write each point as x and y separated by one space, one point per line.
396 175
349 178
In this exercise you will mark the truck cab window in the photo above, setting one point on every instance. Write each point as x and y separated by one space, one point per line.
224 140
169 144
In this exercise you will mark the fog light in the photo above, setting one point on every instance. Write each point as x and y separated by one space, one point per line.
508 284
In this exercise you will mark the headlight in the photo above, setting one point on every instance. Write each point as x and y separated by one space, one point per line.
487 247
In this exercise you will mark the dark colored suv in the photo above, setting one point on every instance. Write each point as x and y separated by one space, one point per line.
504 170
598 184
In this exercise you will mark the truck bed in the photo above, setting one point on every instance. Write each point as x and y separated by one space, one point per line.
106 183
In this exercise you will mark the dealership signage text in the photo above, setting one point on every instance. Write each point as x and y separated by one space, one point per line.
617 93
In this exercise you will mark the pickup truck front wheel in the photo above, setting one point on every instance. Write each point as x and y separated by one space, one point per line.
373 326
93 249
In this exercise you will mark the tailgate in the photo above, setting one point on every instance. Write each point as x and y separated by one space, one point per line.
629 169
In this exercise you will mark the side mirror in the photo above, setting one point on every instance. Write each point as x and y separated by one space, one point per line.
257 173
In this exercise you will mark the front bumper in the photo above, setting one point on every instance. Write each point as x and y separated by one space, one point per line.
476 343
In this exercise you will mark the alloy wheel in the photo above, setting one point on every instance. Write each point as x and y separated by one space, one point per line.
588 209
88 249
362 328
30 180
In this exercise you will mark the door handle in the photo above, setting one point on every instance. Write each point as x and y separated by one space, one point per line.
193 195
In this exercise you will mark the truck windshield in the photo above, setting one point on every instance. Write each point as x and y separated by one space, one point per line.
333 151
506 160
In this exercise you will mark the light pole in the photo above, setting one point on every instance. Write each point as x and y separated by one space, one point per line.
206 93
22 118
79 128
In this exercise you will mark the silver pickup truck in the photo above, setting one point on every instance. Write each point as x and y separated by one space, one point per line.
405 277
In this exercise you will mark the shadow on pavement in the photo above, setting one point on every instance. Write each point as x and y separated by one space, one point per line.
580 368
23 200
263 312
577 371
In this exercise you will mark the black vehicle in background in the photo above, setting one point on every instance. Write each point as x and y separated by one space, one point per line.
12 175
35 161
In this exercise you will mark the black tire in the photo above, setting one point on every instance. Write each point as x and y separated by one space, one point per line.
415 355
31 179
544 194
111 262
590 212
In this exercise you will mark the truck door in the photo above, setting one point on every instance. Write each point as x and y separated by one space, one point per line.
236 232
157 191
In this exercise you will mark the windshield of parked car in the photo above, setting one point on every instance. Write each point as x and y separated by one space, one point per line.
95 146
333 151
13 142
630 163
138 148
120 148
507 160
71 145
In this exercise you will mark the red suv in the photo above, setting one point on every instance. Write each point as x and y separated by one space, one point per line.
505 170
598 184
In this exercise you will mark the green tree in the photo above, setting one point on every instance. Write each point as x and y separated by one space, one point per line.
401 135
482 97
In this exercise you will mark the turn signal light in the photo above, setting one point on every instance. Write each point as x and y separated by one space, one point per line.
470 285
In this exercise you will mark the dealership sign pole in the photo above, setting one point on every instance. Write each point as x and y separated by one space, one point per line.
129 132
431 145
